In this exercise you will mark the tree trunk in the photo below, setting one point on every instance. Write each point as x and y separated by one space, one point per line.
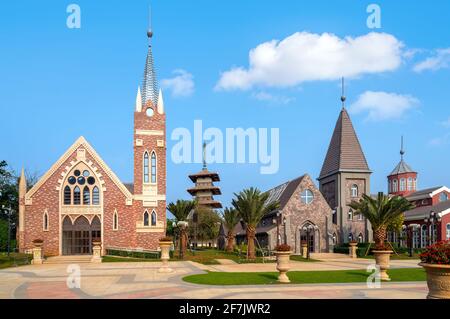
230 241
251 242
183 243
379 236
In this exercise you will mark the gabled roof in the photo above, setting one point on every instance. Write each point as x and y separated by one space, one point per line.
427 192
81 141
421 212
401 168
284 192
344 152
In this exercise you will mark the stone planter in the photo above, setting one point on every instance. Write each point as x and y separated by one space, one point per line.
304 250
37 256
352 250
283 258
438 280
382 258
96 252
165 255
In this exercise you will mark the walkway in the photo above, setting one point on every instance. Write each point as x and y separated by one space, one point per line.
142 280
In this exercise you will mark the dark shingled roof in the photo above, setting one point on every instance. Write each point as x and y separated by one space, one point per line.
130 187
205 173
401 168
284 191
424 192
344 152
424 211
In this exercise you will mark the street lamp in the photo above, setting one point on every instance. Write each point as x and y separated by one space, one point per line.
410 235
284 227
430 221
308 230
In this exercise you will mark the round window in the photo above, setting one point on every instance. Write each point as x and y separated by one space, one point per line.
91 180
81 180
72 180
76 173
86 173
149 112
307 196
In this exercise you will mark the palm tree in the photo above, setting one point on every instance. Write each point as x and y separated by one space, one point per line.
230 219
252 206
382 212
180 210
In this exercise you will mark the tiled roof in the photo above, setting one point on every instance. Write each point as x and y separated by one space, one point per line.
401 168
344 151
424 192
205 173
424 211
284 191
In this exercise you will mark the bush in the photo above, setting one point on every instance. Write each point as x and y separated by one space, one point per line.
136 254
283 247
438 253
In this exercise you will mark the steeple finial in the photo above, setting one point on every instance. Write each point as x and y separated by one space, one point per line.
149 89
204 156
402 151
343 98
150 29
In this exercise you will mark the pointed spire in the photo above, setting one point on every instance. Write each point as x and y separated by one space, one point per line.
343 98
402 151
22 184
139 100
204 156
344 152
149 83
160 103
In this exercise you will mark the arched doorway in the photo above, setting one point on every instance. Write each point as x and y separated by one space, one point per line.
77 236
308 234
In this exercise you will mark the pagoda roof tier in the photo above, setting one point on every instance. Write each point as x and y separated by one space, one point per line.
214 190
210 203
205 173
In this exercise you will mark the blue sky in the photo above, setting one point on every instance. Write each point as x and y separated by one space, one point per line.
58 83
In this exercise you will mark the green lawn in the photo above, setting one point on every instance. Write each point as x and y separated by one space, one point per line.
301 277
112 259
15 259
400 256
300 258
210 256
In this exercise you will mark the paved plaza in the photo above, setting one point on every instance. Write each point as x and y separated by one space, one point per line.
142 280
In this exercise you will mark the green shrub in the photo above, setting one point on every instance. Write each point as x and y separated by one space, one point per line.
136 254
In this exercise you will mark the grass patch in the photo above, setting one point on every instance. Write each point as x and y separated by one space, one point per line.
114 259
301 277
14 259
210 256
400 256
300 258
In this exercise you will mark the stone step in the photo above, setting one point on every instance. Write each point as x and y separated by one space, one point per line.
68 259
328 256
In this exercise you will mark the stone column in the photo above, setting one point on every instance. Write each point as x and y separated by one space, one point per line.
304 250
352 250
37 256
96 252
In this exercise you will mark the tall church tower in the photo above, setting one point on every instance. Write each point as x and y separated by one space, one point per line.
149 158
403 179
344 177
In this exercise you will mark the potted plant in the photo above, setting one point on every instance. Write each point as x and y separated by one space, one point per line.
352 245
165 244
436 261
382 212
283 253
38 243
304 245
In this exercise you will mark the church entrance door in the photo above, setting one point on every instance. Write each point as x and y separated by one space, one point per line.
78 237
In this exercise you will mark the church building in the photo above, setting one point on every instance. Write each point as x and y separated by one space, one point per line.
80 198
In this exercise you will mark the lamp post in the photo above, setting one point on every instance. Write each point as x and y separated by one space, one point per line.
410 236
278 216
430 221
284 227
9 213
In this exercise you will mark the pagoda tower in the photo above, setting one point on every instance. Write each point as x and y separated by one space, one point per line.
204 188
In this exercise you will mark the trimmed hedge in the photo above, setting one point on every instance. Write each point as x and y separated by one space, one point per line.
136 254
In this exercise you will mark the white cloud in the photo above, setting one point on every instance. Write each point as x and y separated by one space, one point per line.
446 123
276 99
440 60
305 56
182 84
383 105
439 141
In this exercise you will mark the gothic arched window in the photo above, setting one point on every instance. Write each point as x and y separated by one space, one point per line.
153 218
95 196
115 221
153 167
354 190
67 195
146 176
86 196
45 221
350 215
146 219
76 196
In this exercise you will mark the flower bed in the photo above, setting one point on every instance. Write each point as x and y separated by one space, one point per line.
438 253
